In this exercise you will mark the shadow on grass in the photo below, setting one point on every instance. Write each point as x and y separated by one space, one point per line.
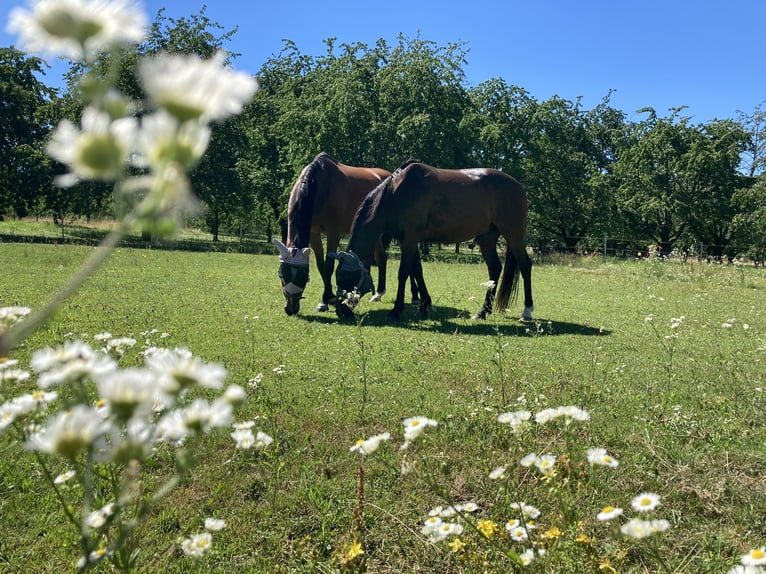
450 320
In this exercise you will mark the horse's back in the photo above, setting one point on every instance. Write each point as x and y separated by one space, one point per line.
456 204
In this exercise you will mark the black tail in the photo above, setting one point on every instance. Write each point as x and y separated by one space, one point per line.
509 283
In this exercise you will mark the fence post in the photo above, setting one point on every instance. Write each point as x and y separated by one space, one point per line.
604 246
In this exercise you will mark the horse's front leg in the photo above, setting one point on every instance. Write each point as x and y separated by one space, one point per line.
381 258
418 285
326 267
404 273
488 245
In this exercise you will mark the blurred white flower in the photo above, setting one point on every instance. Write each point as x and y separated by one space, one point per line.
214 524
98 150
645 502
179 369
243 438
69 432
370 445
190 88
600 457
162 140
413 426
128 391
197 545
9 316
76 28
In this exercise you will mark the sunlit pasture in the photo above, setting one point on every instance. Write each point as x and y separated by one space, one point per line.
620 431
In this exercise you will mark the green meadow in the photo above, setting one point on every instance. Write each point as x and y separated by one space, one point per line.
668 359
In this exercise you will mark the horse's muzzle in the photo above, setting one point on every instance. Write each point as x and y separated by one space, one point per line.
294 279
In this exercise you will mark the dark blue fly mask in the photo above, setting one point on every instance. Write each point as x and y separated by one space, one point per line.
293 273
351 274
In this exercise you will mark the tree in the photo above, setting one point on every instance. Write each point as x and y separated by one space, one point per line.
567 165
26 106
749 223
496 123
422 101
653 190
755 148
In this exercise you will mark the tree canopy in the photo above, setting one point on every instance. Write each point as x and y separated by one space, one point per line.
588 172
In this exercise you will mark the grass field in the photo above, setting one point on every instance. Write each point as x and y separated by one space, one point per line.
678 400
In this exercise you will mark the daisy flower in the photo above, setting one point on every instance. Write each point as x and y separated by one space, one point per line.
598 456
190 88
370 445
497 473
214 524
608 513
197 545
98 150
162 140
545 463
69 432
756 557
244 438
413 426
645 502
262 440
76 28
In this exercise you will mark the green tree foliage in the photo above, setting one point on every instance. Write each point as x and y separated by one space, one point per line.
677 180
749 223
567 168
26 106
588 173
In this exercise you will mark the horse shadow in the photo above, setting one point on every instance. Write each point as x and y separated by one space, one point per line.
450 321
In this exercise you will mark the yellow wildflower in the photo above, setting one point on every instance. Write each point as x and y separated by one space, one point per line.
456 545
606 566
352 551
552 533
487 527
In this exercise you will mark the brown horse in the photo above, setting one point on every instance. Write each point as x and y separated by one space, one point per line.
323 201
423 203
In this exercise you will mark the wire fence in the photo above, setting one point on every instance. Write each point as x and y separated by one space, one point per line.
90 234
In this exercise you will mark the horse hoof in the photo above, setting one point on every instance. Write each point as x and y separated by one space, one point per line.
377 298
527 314
480 316
322 308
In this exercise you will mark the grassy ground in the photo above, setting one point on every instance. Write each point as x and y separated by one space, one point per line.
680 408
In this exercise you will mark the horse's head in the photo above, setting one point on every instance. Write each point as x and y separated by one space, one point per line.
293 273
352 274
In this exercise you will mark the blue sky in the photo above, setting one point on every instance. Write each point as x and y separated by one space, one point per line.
707 55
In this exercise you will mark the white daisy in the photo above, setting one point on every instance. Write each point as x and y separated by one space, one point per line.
76 28
190 88
98 150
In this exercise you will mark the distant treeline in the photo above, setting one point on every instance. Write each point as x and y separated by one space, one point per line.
588 172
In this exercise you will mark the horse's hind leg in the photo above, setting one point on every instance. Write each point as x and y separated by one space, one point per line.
418 286
525 266
488 246
381 258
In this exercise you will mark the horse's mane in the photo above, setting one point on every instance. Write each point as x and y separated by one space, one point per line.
302 200
368 208
401 167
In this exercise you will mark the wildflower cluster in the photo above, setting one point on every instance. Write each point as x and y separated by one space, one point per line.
198 545
98 419
184 95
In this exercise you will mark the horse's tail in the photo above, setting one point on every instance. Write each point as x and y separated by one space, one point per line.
509 283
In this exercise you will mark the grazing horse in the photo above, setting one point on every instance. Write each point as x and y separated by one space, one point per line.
423 203
323 200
